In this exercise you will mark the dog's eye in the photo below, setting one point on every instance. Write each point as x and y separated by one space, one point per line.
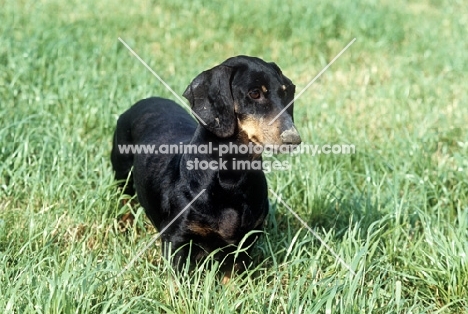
255 94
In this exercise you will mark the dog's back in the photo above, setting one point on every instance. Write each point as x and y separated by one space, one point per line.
147 124
156 120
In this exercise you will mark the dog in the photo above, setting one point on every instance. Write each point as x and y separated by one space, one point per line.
234 104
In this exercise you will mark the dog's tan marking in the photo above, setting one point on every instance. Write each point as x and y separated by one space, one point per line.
259 132
226 278
228 224
283 87
226 229
252 130
200 230
264 89
229 273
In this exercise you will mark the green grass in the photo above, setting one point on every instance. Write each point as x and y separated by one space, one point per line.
396 211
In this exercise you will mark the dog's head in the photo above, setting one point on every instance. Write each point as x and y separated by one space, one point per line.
245 97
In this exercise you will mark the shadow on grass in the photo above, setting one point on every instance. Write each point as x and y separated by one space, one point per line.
349 216
331 212
338 213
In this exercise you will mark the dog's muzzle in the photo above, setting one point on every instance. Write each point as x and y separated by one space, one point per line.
291 137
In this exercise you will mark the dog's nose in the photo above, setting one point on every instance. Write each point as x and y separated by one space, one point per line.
291 136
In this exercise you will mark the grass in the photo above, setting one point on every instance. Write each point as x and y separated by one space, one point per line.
396 211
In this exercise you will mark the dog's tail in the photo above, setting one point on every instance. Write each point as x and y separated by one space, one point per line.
122 158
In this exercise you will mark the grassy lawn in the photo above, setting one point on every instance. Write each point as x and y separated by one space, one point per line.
396 211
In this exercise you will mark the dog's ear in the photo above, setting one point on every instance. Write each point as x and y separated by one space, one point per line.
211 100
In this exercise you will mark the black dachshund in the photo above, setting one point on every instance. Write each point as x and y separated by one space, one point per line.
234 103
